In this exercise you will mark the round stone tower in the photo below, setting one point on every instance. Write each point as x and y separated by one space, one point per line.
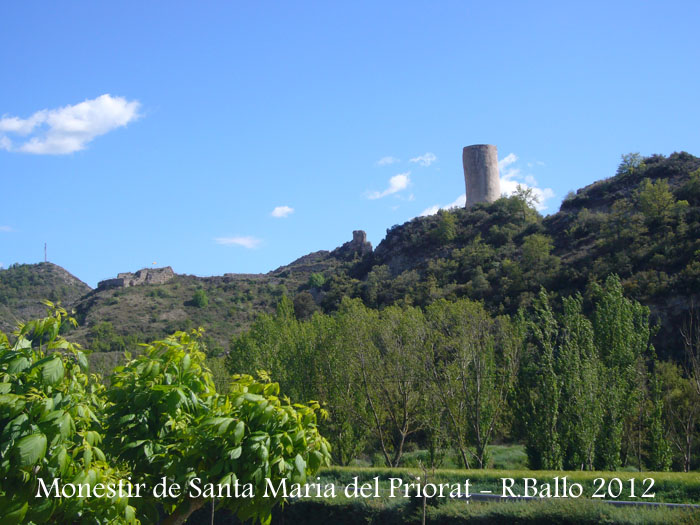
481 173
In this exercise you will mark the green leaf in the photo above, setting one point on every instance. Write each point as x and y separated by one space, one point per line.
255 398
66 426
11 403
87 457
83 362
300 464
16 515
63 461
238 432
17 365
30 449
134 444
52 371
16 427
126 418
174 399
315 459
221 424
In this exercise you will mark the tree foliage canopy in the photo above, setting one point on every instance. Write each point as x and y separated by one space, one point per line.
160 417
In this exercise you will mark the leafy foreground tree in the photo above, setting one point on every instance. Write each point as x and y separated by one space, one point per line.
160 419
50 416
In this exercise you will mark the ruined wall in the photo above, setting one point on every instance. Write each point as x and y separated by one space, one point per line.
358 246
144 276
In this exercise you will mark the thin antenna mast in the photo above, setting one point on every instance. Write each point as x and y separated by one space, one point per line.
45 259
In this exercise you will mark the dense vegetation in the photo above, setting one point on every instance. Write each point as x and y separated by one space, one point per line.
582 391
161 418
502 253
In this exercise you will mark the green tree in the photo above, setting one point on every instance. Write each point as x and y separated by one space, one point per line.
479 285
631 163
538 263
681 410
446 228
349 425
472 365
316 280
660 455
51 414
622 337
526 196
657 202
304 305
540 390
579 369
200 299
622 225
160 417
390 372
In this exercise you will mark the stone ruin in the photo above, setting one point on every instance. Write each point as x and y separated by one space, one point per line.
358 246
480 163
144 276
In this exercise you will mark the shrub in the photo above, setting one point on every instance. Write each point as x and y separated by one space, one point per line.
200 299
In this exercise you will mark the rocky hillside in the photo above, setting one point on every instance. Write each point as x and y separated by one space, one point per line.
643 224
23 287
148 304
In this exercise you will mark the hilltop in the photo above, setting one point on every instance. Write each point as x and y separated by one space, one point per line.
23 287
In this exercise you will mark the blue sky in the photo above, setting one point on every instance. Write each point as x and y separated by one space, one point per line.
170 132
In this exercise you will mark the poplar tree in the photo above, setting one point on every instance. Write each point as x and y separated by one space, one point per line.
622 337
541 389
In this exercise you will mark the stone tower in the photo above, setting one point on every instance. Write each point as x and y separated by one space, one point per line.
481 173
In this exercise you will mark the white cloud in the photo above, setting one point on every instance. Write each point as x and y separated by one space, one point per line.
246 242
509 159
424 160
6 229
385 161
282 211
459 202
511 178
67 129
396 183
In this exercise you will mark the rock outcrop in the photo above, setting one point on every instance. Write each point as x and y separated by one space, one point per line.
358 246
